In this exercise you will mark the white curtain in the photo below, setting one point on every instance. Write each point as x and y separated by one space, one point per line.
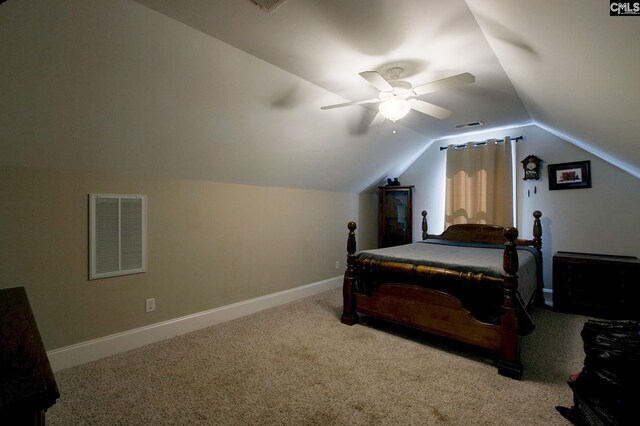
480 184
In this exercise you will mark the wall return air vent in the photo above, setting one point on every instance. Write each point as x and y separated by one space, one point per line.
117 235
267 5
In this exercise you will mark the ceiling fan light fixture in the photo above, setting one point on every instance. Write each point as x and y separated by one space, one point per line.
394 109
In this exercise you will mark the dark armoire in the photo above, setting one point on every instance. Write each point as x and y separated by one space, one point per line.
394 216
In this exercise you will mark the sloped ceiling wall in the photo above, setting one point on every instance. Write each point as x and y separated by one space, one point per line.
576 69
144 88
117 87
329 42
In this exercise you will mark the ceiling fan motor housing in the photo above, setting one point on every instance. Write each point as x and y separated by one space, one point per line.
401 90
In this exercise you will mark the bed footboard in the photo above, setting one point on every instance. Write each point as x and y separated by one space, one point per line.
429 310
435 311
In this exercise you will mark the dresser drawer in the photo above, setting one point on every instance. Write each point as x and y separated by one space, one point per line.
598 285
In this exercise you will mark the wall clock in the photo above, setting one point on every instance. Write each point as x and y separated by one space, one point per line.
531 165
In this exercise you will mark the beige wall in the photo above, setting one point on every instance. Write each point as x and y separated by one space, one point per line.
209 245
113 90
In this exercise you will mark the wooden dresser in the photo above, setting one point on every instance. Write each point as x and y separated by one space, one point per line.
598 285
27 384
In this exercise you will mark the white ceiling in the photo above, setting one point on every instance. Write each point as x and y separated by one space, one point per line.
565 65
328 42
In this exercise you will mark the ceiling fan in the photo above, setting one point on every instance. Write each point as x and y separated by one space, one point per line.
397 98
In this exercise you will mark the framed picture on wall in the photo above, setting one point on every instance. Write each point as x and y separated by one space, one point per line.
570 175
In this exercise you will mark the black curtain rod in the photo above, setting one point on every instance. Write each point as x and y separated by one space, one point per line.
516 139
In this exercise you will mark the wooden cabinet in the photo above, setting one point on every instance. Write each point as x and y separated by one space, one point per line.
27 384
395 215
598 285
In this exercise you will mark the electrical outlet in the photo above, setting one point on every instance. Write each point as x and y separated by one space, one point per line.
150 305
337 264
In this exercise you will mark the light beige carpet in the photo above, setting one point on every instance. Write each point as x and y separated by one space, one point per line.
298 365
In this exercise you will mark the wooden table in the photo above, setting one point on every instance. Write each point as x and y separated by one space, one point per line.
27 384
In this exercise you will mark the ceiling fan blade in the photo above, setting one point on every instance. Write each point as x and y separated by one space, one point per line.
377 80
366 101
430 109
445 83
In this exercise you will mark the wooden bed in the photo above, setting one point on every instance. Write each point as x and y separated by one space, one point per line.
417 295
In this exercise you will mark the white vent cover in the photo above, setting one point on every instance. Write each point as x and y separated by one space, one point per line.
470 124
267 5
117 235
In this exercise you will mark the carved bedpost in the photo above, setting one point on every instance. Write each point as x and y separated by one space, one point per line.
537 230
537 243
424 225
349 314
509 364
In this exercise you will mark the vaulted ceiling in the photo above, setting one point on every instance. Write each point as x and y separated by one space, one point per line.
221 90
566 65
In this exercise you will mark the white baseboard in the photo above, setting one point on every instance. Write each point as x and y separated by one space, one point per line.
92 350
548 296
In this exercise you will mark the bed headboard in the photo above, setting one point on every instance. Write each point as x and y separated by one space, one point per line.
478 233
473 233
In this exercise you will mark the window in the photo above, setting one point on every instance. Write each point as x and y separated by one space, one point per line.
479 184
117 235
